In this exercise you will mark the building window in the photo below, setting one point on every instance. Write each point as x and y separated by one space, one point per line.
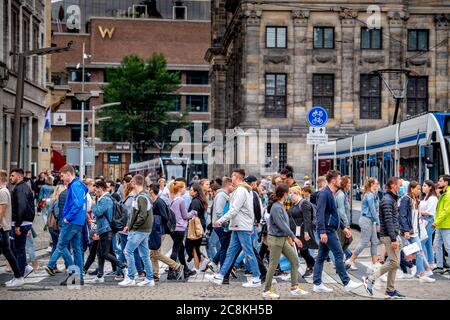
204 127
77 76
370 97
36 58
370 38
75 132
276 37
5 33
323 92
177 105
323 37
197 77
15 35
197 103
281 156
417 40
76 104
275 95
417 96
179 11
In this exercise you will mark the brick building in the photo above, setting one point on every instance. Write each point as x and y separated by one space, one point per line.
107 40
271 62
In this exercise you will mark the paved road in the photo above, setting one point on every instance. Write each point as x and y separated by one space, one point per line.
40 286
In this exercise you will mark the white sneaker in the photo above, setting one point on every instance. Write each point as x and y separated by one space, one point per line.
322 289
15 282
204 264
400 274
254 283
425 279
413 271
297 291
428 273
351 263
147 283
127 282
373 267
270 294
286 277
384 277
49 249
99 280
352 285
408 275
432 266
217 279
28 271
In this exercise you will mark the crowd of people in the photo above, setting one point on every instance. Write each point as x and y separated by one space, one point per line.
262 226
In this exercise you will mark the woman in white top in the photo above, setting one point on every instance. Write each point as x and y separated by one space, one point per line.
427 211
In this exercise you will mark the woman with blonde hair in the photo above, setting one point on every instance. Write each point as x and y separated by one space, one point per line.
369 222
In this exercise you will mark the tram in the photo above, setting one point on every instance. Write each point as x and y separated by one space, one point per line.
158 167
415 149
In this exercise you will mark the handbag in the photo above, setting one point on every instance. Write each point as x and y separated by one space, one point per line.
52 222
423 229
41 204
195 229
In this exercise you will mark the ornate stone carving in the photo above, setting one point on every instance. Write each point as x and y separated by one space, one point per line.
418 62
300 18
253 16
277 59
373 59
397 18
442 20
325 58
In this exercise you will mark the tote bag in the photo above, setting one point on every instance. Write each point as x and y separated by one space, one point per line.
195 229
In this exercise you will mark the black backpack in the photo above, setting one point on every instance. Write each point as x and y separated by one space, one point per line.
119 218
171 221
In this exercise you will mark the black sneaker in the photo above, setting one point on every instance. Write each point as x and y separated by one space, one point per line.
368 285
438 270
394 295
233 273
446 271
226 281
308 273
50 271
247 272
179 273
172 275
93 273
188 273
155 278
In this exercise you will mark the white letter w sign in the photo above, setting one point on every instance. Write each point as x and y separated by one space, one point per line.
106 31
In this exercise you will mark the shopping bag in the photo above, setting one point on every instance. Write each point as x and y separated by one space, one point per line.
423 229
411 249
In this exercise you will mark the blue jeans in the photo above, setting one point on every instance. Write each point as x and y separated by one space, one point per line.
427 244
420 258
213 245
137 258
54 235
31 251
255 244
69 234
241 240
224 239
19 246
138 240
442 237
334 246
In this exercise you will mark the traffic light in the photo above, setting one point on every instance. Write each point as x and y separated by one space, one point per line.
77 170
428 157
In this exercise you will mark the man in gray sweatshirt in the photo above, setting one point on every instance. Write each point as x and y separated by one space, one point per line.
241 218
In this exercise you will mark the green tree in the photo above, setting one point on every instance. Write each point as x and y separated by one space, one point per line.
147 92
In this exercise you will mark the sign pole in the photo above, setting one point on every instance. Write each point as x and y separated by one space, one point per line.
317 162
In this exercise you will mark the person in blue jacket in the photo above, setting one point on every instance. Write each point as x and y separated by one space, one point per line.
327 223
73 219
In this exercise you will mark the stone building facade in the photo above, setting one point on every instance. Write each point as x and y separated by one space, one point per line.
271 62
23 28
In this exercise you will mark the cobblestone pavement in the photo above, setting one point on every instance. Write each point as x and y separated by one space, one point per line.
40 286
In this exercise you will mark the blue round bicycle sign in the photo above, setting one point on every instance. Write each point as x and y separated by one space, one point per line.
317 117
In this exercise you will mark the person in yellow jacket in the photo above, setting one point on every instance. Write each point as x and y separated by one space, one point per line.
442 224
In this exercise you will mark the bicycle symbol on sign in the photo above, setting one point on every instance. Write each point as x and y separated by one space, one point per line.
317 120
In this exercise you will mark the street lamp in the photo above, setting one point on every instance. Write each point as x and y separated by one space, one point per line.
15 159
94 108
83 97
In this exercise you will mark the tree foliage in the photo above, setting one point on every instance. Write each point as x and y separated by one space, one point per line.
147 92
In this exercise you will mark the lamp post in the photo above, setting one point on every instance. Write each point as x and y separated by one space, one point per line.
15 158
94 108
